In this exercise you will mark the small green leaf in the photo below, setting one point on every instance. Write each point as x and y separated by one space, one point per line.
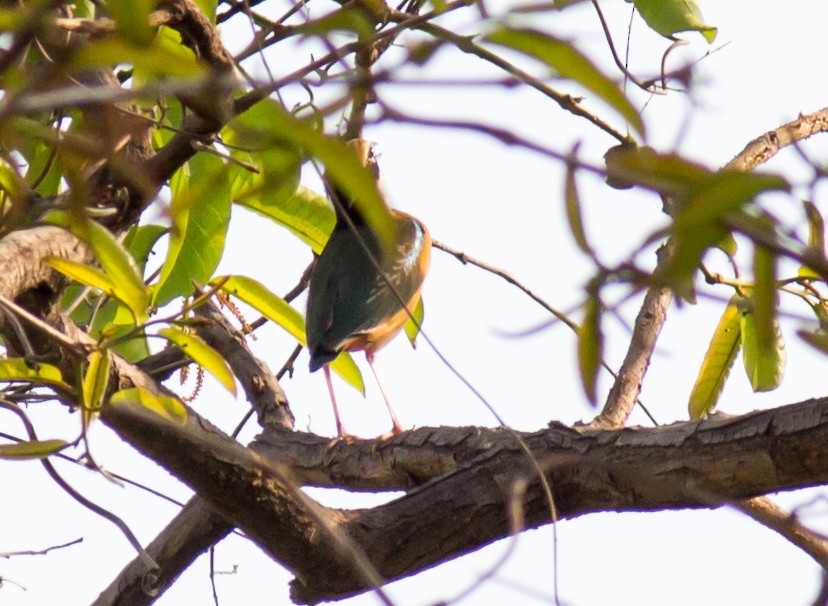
274 308
721 353
200 211
158 59
816 237
203 355
412 326
32 449
143 399
765 368
132 17
95 381
18 369
566 61
668 17
763 295
573 208
140 241
590 347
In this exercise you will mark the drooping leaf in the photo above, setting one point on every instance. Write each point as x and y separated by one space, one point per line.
143 399
342 165
764 367
590 347
763 295
201 213
203 355
573 209
83 274
18 369
412 326
32 449
566 61
668 17
274 308
95 382
717 362
816 237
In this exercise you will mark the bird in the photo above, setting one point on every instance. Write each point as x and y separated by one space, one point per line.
355 298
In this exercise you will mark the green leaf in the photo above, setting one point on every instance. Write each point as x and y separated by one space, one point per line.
274 308
764 367
32 449
668 17
763 295
412 326
590 347
566 61
717 362
118 264
200 211
158 59
272 123
140 241
18 369
573 208
132 17
83 274
816 237
96 380
142 399
203 355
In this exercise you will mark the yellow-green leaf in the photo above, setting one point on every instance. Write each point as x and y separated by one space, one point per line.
82 273
204 355
566 61
721 353
95 381
274 308
816 237
590 347
763 295
167 407
412 326
32 449
573 208
132 17
18 369
764 367
668 17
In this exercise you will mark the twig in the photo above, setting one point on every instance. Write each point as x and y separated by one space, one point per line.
44 551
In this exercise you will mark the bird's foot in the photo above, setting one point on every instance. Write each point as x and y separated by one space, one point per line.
343 436
396 430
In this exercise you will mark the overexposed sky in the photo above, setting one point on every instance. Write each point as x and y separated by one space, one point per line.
504 206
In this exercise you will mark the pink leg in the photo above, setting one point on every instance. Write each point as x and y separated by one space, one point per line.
396 426
340 429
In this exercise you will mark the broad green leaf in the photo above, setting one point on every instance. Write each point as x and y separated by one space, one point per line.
590 347
96 380
200 212
117 263
132 17
668 174
158 59
306 214
18 369
573 209
40 156
343 168
32 449
274 308
763 295
141 240
816 237
412 326
167 407
566 61
203 355
668 17
345 19
83 274
764 367
721 353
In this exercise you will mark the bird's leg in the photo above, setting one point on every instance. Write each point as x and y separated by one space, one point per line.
340 429
396 426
